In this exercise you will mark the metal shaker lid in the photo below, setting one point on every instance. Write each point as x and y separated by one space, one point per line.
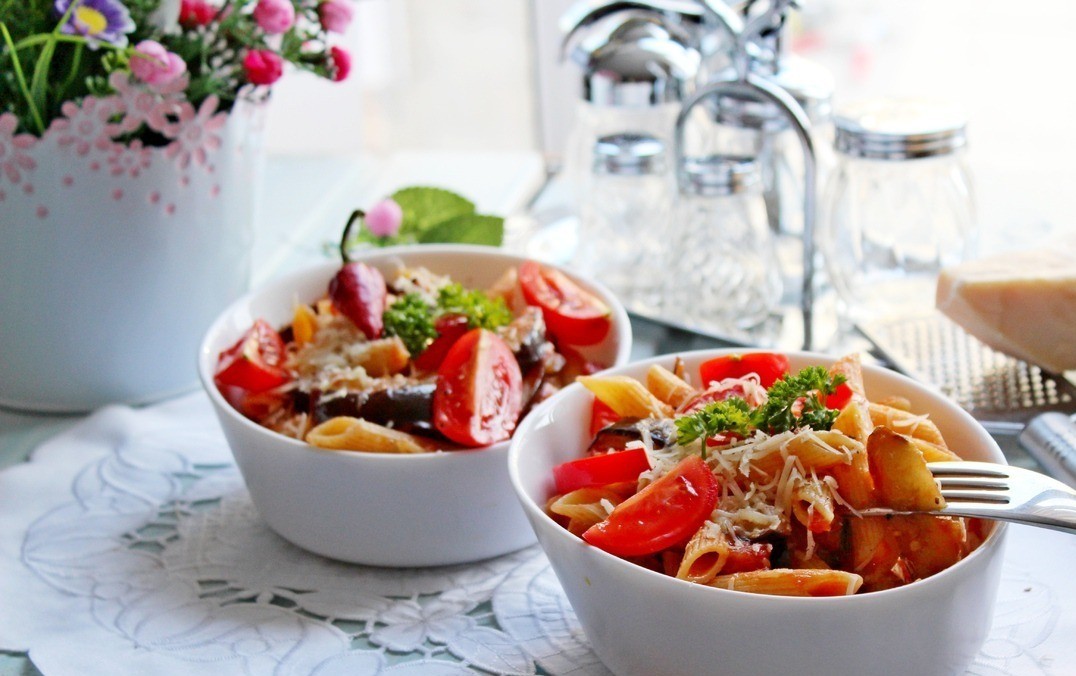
808 83
629 154
716 175
899 129
634 59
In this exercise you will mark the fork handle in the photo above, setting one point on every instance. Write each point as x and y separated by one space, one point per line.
1054 509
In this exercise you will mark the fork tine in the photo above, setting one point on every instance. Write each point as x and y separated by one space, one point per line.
998 498
972 482
968 468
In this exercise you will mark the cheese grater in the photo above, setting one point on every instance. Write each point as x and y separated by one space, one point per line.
1000 391
1007 395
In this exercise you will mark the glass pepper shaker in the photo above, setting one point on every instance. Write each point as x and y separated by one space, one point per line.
722 272
898 207
624 217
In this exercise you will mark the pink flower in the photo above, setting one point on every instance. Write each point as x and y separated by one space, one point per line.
274 16
384 218
195 13
263 67
335 15
341 63
155 65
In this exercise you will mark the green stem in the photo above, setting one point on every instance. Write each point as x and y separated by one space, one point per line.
21 78
76 64
42 38
39 83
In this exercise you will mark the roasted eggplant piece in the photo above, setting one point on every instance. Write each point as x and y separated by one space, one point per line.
617 436
408 408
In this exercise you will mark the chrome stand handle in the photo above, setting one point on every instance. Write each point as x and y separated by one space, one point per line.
752 85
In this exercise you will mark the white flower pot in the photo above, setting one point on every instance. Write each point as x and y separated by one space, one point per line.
115 258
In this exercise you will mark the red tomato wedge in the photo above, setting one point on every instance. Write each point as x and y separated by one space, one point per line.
479 393
665 513
254 363
600 470
450 328
601 416
572 314
840 397
769 366
745 557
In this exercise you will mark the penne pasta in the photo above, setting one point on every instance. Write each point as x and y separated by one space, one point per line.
626 396
667 386
903 422
704 556
900 473
792 582
353 434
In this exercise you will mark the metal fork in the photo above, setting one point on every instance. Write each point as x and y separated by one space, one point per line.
1001 492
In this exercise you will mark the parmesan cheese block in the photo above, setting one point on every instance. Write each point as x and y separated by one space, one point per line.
1021 303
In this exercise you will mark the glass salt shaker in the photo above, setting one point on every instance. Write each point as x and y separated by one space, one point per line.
898 207
722 272
624 217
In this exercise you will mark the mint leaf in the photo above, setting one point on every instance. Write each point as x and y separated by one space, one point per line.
424 207
466 229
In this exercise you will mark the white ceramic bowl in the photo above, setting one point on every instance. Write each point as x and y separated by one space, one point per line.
377 509
642 622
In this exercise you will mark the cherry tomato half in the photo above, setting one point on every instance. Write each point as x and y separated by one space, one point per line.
601 416
840 397
665 513
254 362
573 315
479 393
450 327
600 470
769 366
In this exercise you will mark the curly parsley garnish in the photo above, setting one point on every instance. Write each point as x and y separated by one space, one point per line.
796 401
414 320
480 309
411 319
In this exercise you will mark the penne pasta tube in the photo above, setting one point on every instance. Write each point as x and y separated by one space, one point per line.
918 426
900 473
704 556
667 386
790 582
354 434
812 506
585 507
626 396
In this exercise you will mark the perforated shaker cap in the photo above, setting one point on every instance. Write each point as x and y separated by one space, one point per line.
629 154
713 175
899 129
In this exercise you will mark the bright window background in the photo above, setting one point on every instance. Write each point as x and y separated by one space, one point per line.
481 75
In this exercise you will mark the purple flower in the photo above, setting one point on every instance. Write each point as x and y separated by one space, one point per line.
96 20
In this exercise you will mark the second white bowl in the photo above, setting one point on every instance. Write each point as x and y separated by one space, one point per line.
386 510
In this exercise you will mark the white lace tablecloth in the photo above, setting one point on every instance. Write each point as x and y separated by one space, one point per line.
129 545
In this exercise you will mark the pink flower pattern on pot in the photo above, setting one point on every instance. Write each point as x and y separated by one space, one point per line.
13 158
197 133
87 126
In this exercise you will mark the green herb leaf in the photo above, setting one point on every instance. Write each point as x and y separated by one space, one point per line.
730 415
466 229
810 384
480 309
778 414
425 207
411 319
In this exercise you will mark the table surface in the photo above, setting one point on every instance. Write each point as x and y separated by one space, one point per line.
297 224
